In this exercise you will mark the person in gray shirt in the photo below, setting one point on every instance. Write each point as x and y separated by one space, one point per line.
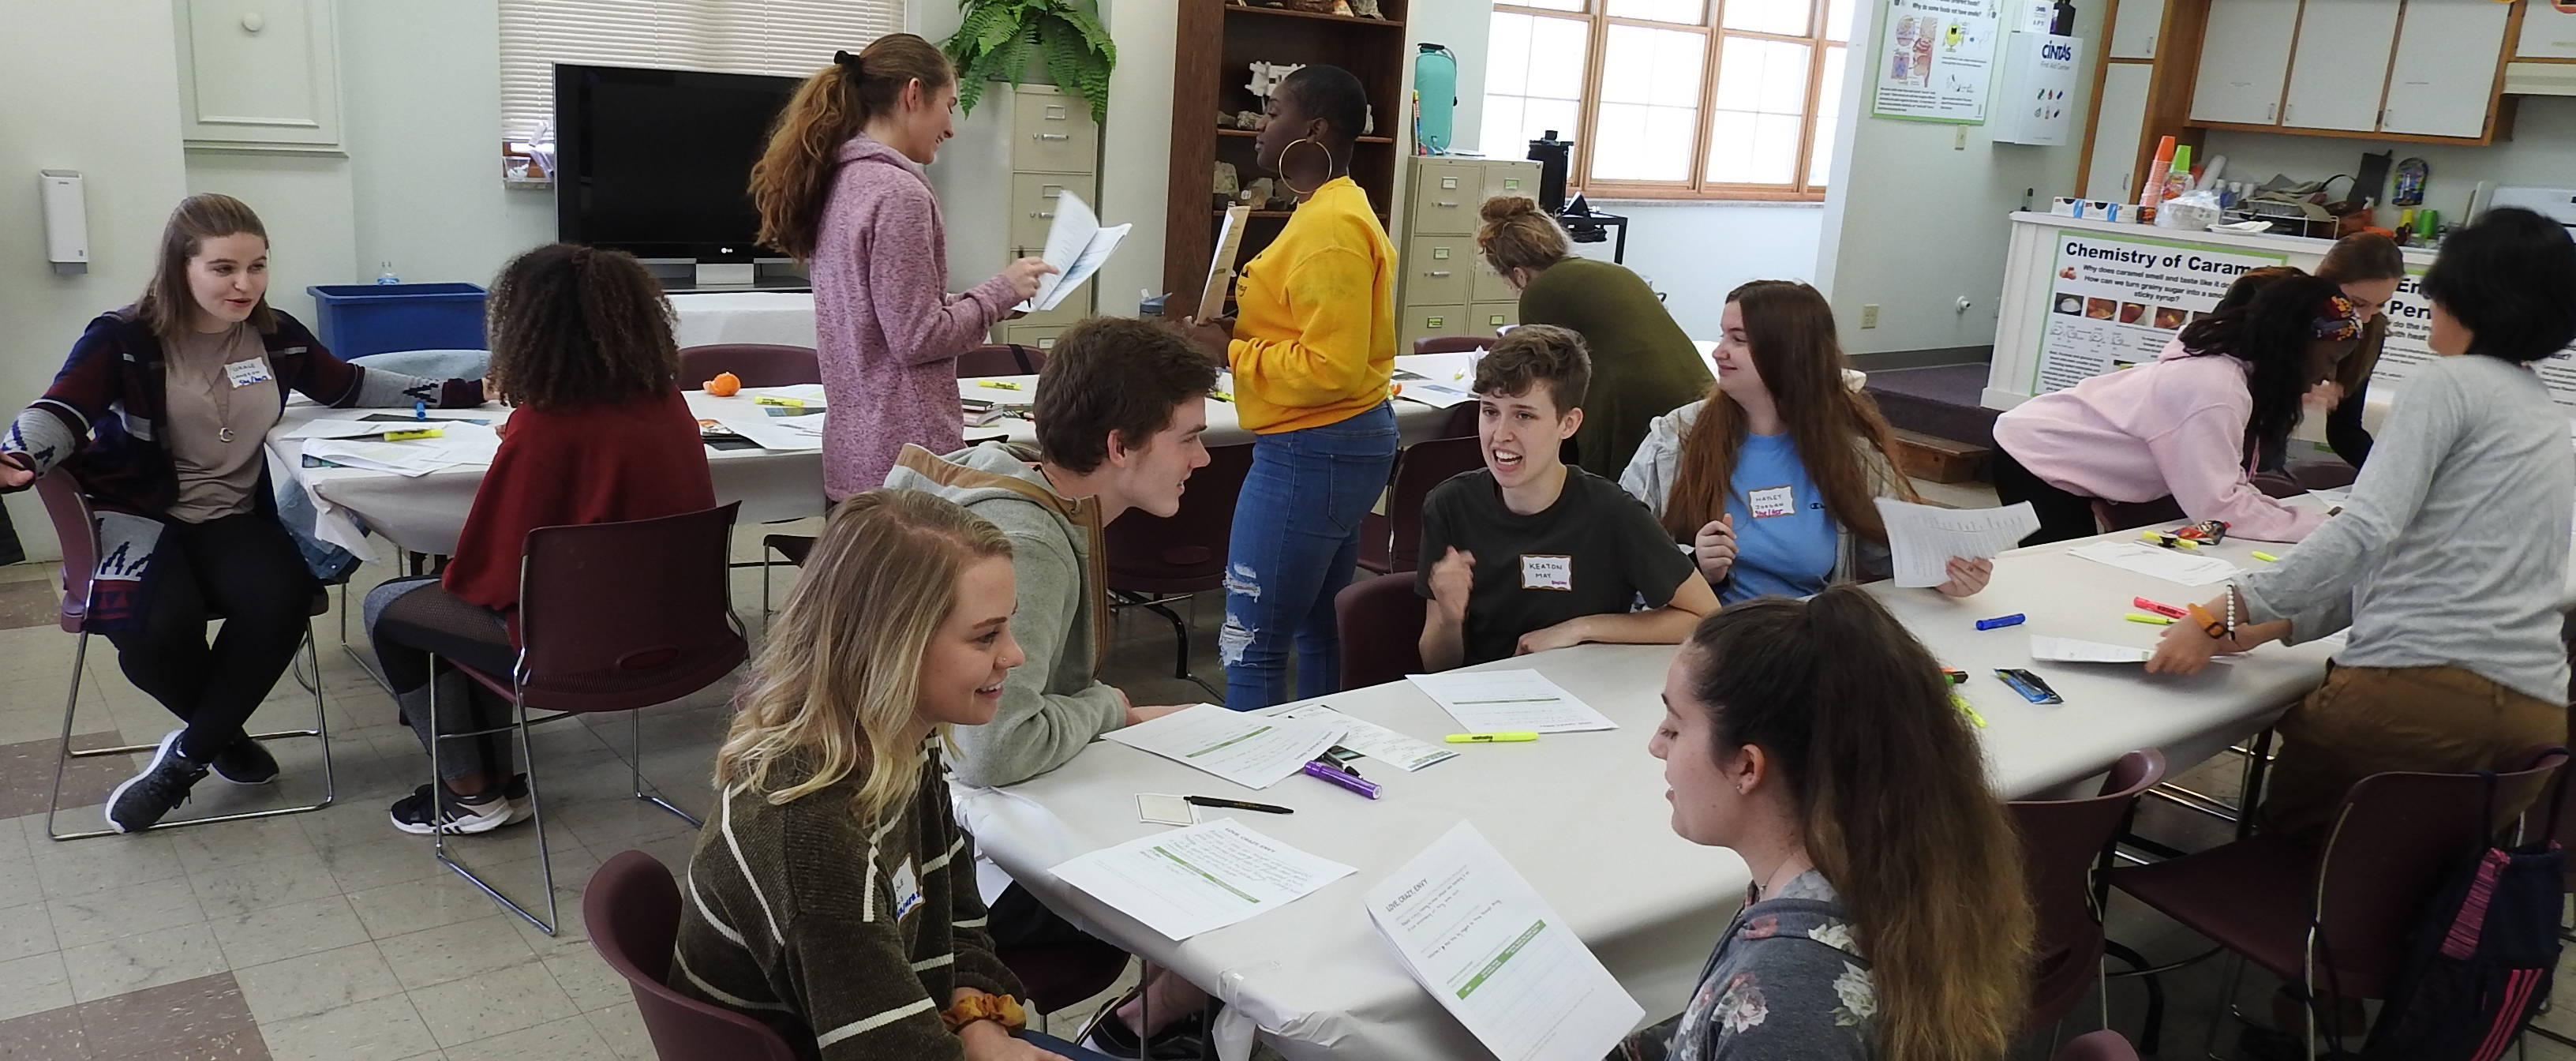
2448 560
1887 919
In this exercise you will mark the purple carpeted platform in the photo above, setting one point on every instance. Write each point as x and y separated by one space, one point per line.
1940 401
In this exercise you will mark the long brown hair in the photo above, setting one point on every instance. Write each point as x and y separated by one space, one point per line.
2362 257
839 681
576 325
1892 801
793 178
1790 327
168 307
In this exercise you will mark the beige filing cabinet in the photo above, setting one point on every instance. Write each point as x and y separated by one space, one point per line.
1055 148
1446 288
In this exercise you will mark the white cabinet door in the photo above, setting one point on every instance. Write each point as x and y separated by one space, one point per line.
2443 81
2547 33
259 75
2134 27
2340 65
2244 60
2116 133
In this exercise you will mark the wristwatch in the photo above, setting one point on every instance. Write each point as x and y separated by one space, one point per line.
1000 1009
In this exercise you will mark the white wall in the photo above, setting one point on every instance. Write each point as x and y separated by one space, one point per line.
1912 223
1694 253
2542 152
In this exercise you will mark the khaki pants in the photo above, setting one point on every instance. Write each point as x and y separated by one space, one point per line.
2370 720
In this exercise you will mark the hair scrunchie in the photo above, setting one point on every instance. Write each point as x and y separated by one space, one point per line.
2337 320
856 67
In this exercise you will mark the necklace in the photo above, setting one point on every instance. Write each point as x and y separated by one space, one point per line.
221 395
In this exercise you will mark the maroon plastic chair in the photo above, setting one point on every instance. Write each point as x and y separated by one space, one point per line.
76 527
1451 344
2105 1045
633 909
1462 421
2396 838
612 617
1001 359
1057 975
1380 621
1155 561
2066 845
2322 473
1393 542
755 364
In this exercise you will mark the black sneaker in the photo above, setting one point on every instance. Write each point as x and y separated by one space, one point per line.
139 802
245 763
416 814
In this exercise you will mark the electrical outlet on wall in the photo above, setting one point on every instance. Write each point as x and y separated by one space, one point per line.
1869 315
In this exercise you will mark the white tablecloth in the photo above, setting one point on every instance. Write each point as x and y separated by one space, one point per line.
781 317
1582 815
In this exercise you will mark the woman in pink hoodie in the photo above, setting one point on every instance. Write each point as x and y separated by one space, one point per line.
841 186
2186 425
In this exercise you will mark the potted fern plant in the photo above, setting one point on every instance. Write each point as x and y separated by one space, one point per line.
998 38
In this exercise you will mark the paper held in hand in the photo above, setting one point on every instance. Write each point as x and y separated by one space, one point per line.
1207 876
1220 274
1076 245
1923 538
1254 751
1509 701
1482 941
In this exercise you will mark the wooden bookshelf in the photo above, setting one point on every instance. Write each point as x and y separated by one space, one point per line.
1219 42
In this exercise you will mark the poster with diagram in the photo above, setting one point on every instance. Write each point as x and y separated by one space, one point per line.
2410 334
2115 301
1935 60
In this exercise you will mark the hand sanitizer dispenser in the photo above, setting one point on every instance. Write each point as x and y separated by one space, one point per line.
66 220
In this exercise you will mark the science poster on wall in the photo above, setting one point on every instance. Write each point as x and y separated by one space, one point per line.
2115 301
1936 59
2410 335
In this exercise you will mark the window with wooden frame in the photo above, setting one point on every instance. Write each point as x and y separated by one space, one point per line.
1673 99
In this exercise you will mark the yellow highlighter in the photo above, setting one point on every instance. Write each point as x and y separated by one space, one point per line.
771 399
2151 620
999 384
2264 556
1961 703
1491 738
405 436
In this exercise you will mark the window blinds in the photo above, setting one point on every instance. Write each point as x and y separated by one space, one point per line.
791 38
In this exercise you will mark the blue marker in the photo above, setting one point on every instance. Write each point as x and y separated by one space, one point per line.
419 409
2014 619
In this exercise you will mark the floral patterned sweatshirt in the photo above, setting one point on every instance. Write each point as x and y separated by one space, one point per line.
1787 981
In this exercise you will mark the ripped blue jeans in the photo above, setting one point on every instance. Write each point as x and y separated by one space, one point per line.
1296 539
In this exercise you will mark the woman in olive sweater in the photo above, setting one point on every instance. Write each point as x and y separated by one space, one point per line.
1642 364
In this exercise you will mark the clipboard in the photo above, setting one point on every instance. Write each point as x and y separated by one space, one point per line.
1220 274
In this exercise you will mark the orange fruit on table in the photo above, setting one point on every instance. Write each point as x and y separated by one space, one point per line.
724 385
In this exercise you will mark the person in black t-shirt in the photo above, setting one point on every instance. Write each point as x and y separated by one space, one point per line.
1533 554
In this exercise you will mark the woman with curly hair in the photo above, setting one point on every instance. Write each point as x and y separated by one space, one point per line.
581 345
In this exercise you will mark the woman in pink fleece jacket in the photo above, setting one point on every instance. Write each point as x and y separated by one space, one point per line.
841 186
2185 425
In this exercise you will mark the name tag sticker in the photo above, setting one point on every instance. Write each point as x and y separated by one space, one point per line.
907 889
1547 572
1771 501
245 373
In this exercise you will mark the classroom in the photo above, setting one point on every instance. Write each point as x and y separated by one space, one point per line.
1051 530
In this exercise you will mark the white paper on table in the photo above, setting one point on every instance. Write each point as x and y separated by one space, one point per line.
340 429
1437 395
771 432
1923 538
2172 565
1486 944
1255 751
1373 740
2077 650
809 393
1076 245
1509 701
395 457
1206 876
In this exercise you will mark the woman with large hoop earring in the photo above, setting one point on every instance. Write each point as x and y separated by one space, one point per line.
1312 347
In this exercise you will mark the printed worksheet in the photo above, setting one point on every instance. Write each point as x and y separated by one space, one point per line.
1254 751
1482 941
1207 876
2076 650
1076 245
1923 538
2172 565
1509 701
1373 740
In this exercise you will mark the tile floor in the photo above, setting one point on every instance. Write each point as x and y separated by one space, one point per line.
331 936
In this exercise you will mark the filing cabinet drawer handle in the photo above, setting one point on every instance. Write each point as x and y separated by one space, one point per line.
1042 213
1444 204
1055 136
1437 273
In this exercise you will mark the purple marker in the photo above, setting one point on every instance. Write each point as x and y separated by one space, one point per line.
1339 776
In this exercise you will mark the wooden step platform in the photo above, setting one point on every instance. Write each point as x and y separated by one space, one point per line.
1940 460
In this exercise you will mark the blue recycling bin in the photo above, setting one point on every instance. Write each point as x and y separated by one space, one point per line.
355 320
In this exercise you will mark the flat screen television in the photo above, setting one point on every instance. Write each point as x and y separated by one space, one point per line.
657 163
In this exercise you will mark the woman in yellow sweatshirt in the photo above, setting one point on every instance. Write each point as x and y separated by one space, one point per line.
1311 348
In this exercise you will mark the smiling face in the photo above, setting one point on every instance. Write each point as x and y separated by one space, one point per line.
1734 354
1708 807
927 118
963 666
1152 477
1520 434
227 276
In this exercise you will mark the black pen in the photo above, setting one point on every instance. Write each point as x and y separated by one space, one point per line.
1236 804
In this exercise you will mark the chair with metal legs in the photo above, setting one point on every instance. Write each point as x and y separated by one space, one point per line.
76 526
612 617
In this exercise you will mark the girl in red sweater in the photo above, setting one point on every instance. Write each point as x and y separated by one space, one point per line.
581 345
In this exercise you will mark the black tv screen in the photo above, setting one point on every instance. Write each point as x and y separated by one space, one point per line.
657 163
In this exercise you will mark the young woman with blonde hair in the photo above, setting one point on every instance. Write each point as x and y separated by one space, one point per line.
833 895
1887 919
841 186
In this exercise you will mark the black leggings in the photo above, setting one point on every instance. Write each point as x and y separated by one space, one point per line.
246 570
2063 515
414 618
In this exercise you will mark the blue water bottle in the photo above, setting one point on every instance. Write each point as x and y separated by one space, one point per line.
1435 89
